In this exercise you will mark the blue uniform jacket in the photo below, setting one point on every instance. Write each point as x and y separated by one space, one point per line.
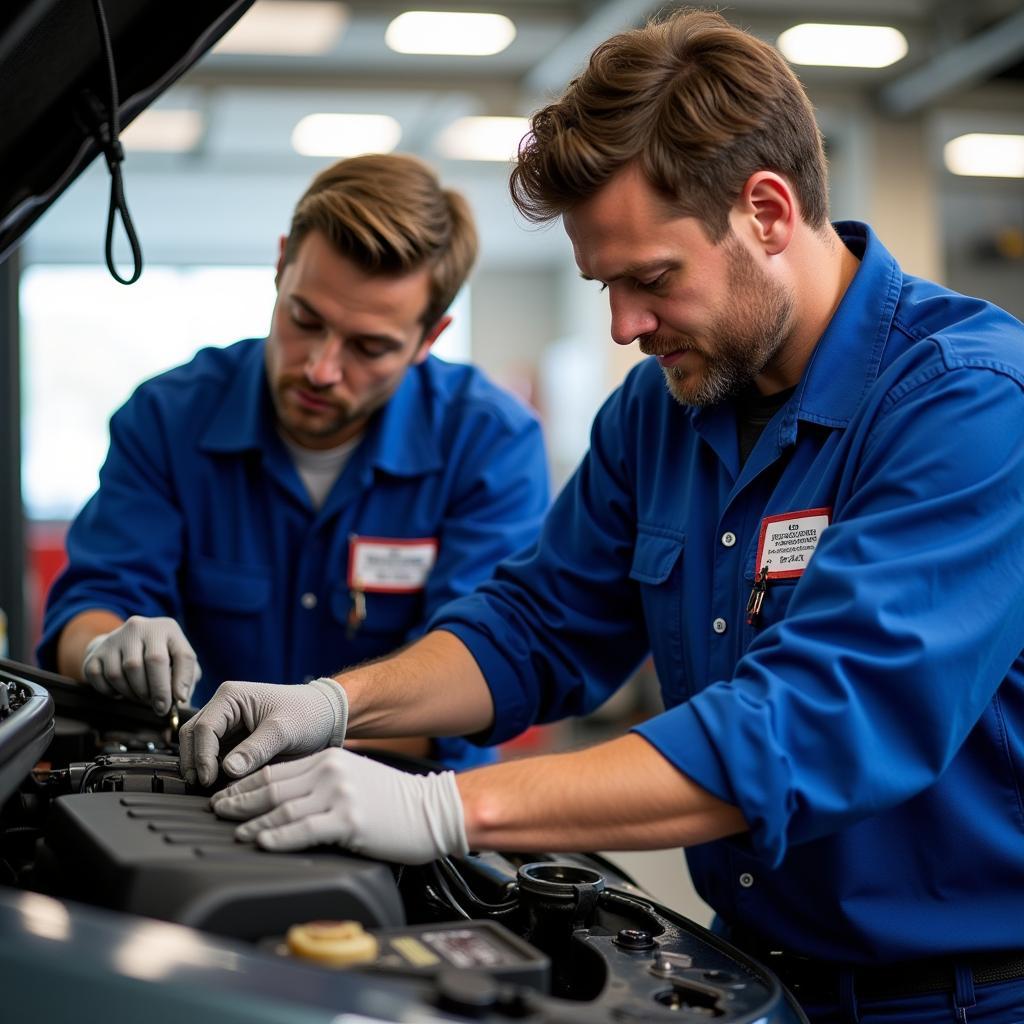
870 724
201 515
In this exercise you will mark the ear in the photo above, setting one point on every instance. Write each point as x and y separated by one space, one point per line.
429 338
768 209
281 243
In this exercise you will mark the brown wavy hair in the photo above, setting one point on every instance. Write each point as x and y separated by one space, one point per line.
699 104
389 214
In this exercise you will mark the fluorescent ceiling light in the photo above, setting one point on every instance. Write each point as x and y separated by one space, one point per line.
483 138
843 46
994 156
164 130
474 35
292 27
345 134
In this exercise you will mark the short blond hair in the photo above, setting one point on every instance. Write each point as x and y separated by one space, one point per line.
389 214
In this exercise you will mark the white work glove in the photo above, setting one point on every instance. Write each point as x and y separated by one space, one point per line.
148 660
281 719
341 797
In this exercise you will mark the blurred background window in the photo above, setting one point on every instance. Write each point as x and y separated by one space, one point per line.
88 342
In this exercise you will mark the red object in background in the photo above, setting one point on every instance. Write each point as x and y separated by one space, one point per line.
537 739
46 557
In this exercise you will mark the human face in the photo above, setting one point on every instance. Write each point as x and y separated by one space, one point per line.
340 341
713 318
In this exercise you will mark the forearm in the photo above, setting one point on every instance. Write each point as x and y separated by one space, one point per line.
433 688
410 746
621 795
76 636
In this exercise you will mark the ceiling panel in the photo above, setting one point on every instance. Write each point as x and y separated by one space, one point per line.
251 103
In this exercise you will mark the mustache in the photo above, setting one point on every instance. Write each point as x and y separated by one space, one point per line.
661 345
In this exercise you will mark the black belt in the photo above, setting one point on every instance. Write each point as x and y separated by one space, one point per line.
811 980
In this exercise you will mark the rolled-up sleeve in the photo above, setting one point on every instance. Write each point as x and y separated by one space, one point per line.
907 619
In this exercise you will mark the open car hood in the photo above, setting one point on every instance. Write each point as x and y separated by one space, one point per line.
54 85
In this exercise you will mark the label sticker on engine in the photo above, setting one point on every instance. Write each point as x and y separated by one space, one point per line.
413 951
465 947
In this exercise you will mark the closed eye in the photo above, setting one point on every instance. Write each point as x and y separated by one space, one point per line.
373 350
652 286
646 286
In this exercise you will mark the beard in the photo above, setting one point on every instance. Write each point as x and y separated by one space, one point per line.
738 344
304 423
323 428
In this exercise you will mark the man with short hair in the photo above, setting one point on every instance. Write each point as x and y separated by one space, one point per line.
281 508
808 505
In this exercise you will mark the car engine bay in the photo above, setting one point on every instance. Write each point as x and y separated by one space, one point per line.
120 886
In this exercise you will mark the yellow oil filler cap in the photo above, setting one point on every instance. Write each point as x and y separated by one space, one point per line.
333 943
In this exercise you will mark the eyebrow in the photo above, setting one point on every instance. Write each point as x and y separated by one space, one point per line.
387 339
638 269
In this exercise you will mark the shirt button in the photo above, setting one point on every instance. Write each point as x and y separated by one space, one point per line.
719 626
746 879
308 601
728 538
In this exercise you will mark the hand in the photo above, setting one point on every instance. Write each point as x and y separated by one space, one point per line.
281 719
147 660
340 797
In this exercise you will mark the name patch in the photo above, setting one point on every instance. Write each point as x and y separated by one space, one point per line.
787 542
386 565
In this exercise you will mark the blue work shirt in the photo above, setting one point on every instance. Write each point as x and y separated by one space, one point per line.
201 515
870 723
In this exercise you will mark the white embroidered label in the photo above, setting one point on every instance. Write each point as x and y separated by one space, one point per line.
385 565
788 541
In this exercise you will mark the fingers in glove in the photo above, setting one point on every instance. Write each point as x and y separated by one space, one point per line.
264 790
267 740
186 756
123 654
184 669
95 676
284 811
199 739
297 835
157 673
113 672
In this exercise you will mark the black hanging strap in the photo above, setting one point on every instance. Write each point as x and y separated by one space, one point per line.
113 152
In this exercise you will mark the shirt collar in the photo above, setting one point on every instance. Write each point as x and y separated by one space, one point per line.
845 362
245 411
399 438
402 437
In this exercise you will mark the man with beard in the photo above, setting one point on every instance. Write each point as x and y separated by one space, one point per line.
817 529
281 508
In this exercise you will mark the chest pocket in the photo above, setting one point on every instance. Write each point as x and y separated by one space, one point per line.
658 568
654 558
228 588
389 616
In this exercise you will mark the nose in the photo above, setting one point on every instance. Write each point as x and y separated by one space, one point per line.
323 367
631 317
